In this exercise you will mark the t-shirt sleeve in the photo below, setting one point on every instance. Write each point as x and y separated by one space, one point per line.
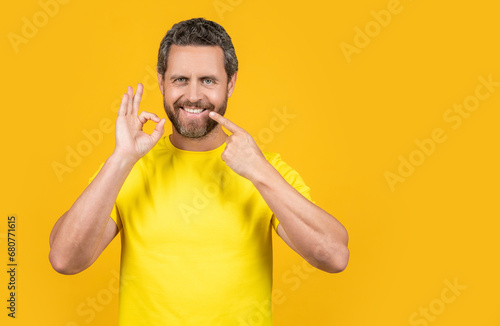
114 213
291 176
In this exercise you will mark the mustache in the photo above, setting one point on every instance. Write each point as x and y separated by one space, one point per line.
198 104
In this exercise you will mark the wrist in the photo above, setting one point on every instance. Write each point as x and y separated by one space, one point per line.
122 161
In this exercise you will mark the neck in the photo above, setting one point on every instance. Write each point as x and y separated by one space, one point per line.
208 142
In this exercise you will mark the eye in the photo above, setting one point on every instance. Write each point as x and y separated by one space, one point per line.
180 80
208 81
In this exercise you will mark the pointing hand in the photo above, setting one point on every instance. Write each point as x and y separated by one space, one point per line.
241 154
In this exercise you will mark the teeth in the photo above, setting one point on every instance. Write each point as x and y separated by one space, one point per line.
193 110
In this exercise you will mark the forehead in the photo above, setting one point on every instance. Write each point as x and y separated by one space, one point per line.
196 60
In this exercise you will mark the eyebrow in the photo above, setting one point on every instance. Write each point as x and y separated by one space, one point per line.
213 77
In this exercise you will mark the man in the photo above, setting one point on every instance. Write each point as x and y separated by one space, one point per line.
196 209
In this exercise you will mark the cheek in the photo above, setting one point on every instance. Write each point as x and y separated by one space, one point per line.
172 95
217 98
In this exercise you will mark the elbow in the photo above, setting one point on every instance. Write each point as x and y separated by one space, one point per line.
335 256
61 265
334 260
339 261
340 255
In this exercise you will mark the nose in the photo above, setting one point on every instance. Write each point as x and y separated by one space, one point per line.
194 92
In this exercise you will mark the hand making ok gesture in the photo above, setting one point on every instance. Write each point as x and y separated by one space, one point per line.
131 142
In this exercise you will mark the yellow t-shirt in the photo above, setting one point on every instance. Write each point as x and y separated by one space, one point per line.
196 241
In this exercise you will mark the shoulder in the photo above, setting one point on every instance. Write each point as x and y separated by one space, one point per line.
271 157
279 164
288 173
274 158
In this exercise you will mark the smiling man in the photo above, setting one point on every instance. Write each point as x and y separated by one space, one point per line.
195 209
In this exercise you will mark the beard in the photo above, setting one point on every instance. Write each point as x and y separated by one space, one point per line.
196 128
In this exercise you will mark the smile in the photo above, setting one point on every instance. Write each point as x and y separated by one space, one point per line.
193 110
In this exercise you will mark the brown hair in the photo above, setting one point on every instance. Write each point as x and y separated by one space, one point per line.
200 32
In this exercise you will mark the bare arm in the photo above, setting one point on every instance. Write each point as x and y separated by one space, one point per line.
82 233
308 229
76 235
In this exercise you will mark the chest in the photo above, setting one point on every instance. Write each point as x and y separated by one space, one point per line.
186 202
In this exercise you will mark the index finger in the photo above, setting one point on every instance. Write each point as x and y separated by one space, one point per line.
137 99
228 124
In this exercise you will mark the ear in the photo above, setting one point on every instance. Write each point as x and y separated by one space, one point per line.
230 84
160 82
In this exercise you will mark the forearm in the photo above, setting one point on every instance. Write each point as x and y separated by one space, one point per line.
76 234
318 236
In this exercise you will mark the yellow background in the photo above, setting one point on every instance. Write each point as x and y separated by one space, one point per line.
352 122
